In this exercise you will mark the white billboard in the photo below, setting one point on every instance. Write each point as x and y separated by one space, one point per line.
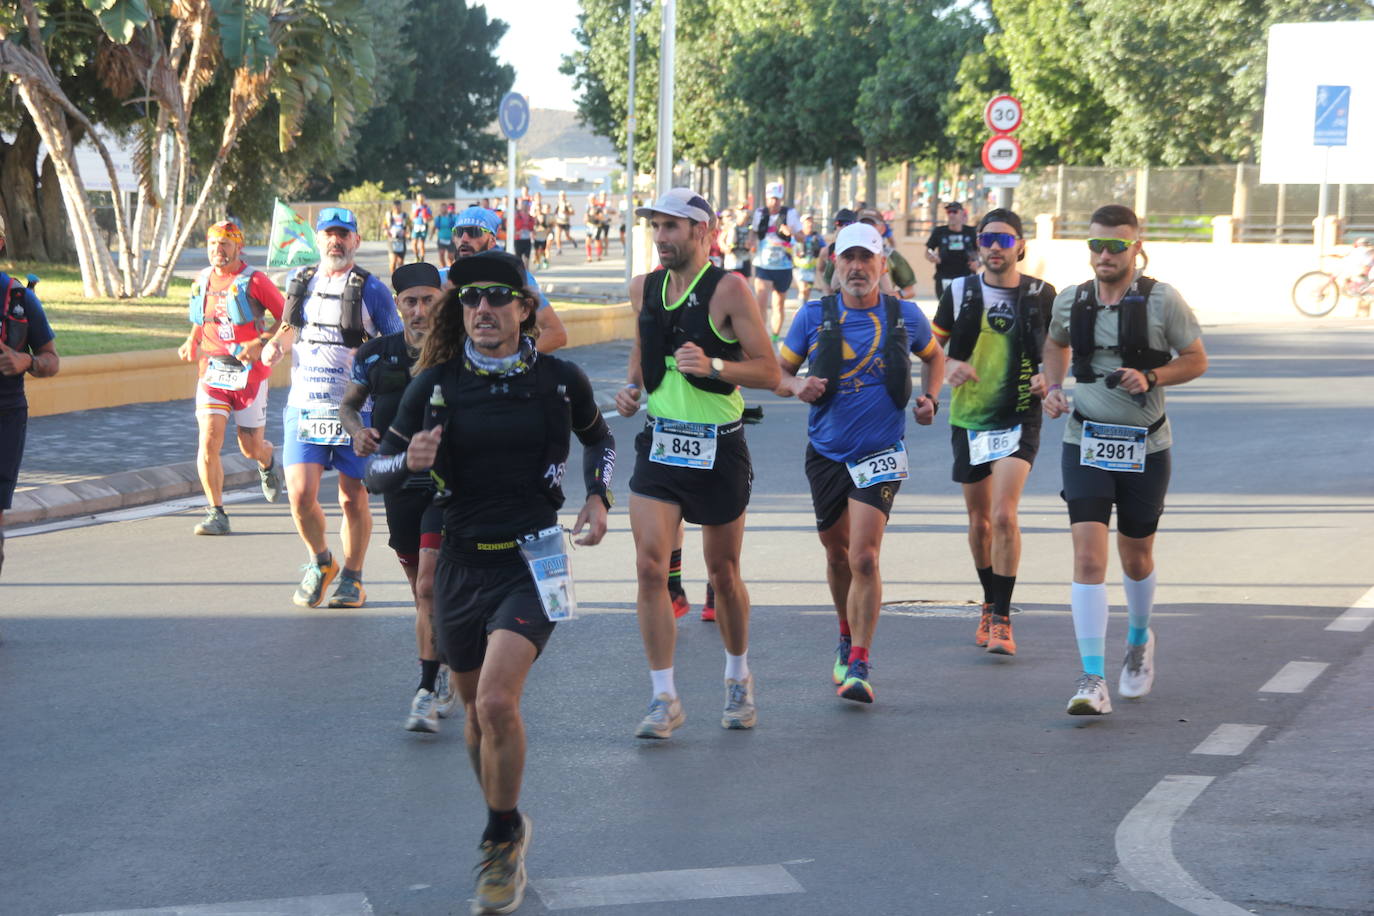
1307 60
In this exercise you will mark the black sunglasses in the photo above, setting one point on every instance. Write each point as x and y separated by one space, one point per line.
471 232
496 296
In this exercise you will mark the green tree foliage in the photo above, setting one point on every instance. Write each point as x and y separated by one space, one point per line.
441 96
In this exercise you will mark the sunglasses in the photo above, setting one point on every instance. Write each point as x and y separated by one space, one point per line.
471 232
841 223
339 213
1111 246
1002 240
496 296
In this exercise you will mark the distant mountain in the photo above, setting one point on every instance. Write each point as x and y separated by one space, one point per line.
555 134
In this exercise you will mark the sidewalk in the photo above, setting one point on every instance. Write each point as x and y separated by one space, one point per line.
91 461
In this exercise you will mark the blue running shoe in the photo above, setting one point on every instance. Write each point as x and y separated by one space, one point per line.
841 661
856 686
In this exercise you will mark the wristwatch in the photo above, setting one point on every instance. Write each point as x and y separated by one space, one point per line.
608 498
1151 380
717 366
934 399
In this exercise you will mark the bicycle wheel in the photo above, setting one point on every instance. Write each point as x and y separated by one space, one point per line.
1316 293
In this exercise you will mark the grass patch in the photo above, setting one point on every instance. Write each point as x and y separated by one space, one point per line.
84 326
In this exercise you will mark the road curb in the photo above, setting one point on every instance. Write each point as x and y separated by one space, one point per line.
126 489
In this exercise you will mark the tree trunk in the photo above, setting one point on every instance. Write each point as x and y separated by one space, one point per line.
835 190
57 234
19 184
871 179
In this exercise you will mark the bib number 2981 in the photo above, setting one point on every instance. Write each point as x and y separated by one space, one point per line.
1110 447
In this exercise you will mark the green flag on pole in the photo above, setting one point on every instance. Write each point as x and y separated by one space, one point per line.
292 242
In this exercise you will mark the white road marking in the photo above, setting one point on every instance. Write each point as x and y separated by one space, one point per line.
1229 740
666 886
324 905
1294 677
1144 846
1357 618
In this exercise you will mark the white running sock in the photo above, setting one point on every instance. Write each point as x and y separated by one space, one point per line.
737 666
663 682
1140 601
1089 606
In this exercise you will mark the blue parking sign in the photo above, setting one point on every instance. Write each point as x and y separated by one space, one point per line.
1333 116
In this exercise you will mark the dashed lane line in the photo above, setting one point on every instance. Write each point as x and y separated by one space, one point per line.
1229 740
322 905
1294 677
666 886
1357 618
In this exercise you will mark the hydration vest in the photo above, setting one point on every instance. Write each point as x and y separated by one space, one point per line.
1133 330
14 317
547 388
351 299
661 332
236 301
827 359
766 218
1034 299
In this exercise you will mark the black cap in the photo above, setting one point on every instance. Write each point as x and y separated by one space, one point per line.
1002 215
953 205
488 267
846 215
408 276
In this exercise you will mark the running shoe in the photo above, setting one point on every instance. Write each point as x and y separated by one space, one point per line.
350 593
424 713
739 704
1091 698
999 636
681 607
856 686
665 714
1138 670
270 478
501 873
980 638
841 661
215 522
708 610
446 698
316 579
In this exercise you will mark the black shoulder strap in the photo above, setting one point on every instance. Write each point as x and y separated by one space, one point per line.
351 313
968 320
828 356
897 354
296 292
1133 329
653 331
1082 332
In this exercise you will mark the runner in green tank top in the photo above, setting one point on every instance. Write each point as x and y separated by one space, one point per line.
700 337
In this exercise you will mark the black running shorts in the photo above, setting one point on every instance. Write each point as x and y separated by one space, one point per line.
969 473
470 602
410 516
14 424
1139 498
716 496
832 488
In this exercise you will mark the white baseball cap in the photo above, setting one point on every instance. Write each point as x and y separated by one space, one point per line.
683 202
858 235
774 190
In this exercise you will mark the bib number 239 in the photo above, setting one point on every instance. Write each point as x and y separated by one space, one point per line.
1110 447
879 467
685 445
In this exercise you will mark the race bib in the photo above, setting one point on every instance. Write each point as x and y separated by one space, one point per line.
986 445
684 445
880 467
548 562
321 426
225 375
1113 448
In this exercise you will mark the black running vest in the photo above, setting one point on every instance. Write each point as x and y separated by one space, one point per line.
828 357
1133 330
351 314
661 331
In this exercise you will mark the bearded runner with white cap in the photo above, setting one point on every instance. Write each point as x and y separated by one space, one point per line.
859 344
330 310
699 339
773 230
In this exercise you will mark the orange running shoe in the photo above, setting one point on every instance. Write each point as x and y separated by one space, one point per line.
980 638
680 606
999 636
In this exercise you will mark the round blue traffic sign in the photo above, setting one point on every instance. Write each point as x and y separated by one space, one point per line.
514 115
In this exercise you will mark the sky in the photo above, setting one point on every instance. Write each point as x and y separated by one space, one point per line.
540 34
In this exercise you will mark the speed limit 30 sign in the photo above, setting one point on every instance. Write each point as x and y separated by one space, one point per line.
1002 114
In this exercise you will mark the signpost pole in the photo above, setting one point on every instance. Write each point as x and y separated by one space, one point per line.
510 196
1321 205
630 161
666 91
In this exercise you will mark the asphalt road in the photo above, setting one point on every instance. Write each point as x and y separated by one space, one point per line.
174 732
